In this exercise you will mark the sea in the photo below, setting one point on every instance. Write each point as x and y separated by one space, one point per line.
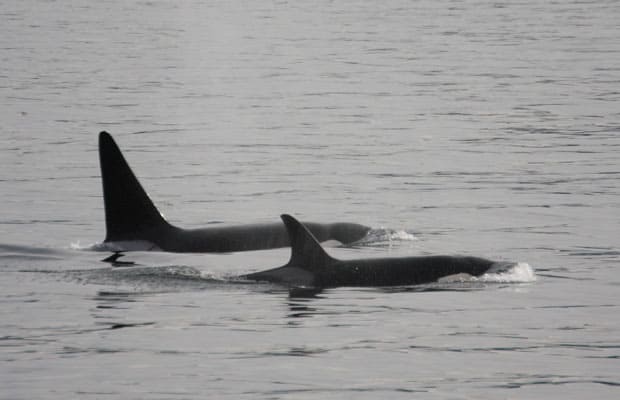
471 127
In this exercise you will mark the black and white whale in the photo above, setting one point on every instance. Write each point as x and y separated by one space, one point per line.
131 216
311 266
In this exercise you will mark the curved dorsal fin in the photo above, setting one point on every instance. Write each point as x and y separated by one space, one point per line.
128 209
306 251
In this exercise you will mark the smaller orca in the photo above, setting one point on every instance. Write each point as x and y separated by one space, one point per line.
311 266
131 218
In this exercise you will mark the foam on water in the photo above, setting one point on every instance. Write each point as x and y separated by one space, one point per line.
518 273
385 236
521 272
402 236
127 245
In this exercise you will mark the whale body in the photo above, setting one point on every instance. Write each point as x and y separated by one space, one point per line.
311 266
131 216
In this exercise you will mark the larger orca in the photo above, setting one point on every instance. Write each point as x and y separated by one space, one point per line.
131 216
311 266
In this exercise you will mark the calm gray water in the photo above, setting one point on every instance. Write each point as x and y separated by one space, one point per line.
459 127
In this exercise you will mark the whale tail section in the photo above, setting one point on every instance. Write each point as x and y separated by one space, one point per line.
129 212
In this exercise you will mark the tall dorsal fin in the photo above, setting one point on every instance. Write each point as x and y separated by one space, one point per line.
129 211
306 251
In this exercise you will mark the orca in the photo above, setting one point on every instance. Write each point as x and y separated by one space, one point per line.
131 216
311 266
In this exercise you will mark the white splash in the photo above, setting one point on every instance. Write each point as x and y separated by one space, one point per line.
402 235
78 246
384 236
516 273
129 245
520 273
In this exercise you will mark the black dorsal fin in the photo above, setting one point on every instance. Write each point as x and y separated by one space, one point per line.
129 212
306 251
